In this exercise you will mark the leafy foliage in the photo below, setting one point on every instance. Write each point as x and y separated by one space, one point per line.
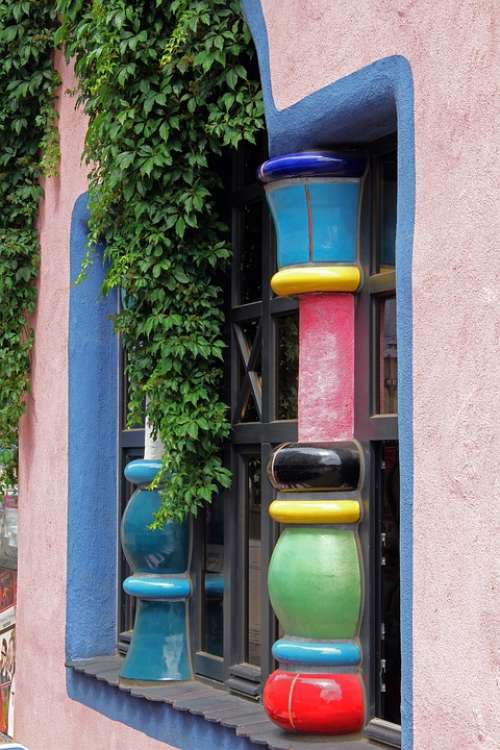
166 88
27 83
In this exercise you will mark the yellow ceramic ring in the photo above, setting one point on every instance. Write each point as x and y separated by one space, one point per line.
313 278
315 511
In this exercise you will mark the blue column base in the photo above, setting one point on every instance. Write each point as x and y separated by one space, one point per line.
159 651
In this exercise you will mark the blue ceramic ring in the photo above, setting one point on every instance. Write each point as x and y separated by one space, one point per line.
312 164
319 653
157 587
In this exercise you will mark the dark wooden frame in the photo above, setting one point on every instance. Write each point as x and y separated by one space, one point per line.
247 438
371 429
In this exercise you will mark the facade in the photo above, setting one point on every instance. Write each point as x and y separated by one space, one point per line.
403 417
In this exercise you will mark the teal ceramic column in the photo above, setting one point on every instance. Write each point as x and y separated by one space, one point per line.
159 650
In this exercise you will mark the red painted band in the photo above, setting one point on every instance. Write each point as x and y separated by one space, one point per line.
315 703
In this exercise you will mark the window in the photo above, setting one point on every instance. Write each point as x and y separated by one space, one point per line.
131 447
377 429
234 623
233 626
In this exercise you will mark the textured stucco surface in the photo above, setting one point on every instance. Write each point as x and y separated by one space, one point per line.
326 373
454 52
45 716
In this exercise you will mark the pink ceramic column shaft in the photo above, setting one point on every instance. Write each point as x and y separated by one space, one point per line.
326 367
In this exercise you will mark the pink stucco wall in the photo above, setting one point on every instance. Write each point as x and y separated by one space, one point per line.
45 716
454 50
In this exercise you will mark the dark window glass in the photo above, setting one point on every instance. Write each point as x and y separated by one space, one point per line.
250 265
252 157
387 213
254 560
213 579
390 647
127 603
376 426
287 335
261 381
125 399
387 356
249 402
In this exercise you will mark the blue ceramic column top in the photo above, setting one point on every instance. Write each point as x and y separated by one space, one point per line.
312 164
142 471
314 198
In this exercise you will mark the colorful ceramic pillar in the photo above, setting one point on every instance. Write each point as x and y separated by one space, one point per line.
315 574
159 650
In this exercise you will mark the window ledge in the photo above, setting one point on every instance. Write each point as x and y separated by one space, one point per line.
247 718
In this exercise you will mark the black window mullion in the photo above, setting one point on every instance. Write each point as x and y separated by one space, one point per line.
268 540
378 433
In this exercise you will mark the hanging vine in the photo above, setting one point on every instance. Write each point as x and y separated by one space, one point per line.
28 148
166 87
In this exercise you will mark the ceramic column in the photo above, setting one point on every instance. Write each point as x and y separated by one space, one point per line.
315 574
159 650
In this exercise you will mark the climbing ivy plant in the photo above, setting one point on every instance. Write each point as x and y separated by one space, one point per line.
167 89
28 148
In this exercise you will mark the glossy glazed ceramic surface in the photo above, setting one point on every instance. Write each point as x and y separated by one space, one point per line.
142 471
315 582
157 587
324 653
315 466
316 704
309 511
311 163
315 220
159 647
315 278
148 551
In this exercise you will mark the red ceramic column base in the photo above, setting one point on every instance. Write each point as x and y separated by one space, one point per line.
315 703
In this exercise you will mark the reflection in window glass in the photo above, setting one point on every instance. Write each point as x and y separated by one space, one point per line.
254 560
390 668
250 255
213 577
387 356
388 199
287 334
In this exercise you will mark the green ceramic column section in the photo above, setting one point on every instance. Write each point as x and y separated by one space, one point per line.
315 582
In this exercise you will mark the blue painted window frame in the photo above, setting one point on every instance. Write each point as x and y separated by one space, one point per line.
93 512
365 105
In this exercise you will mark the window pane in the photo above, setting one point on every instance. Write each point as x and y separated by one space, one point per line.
390 668
387 356
387 219
213 576
249 398
287 334
254 559
127 603
253 156
125 400
250 255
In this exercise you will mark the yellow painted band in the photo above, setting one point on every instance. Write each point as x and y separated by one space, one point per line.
303 279
315 511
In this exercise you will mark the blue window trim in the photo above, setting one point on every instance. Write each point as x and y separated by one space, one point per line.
364 106
91 619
